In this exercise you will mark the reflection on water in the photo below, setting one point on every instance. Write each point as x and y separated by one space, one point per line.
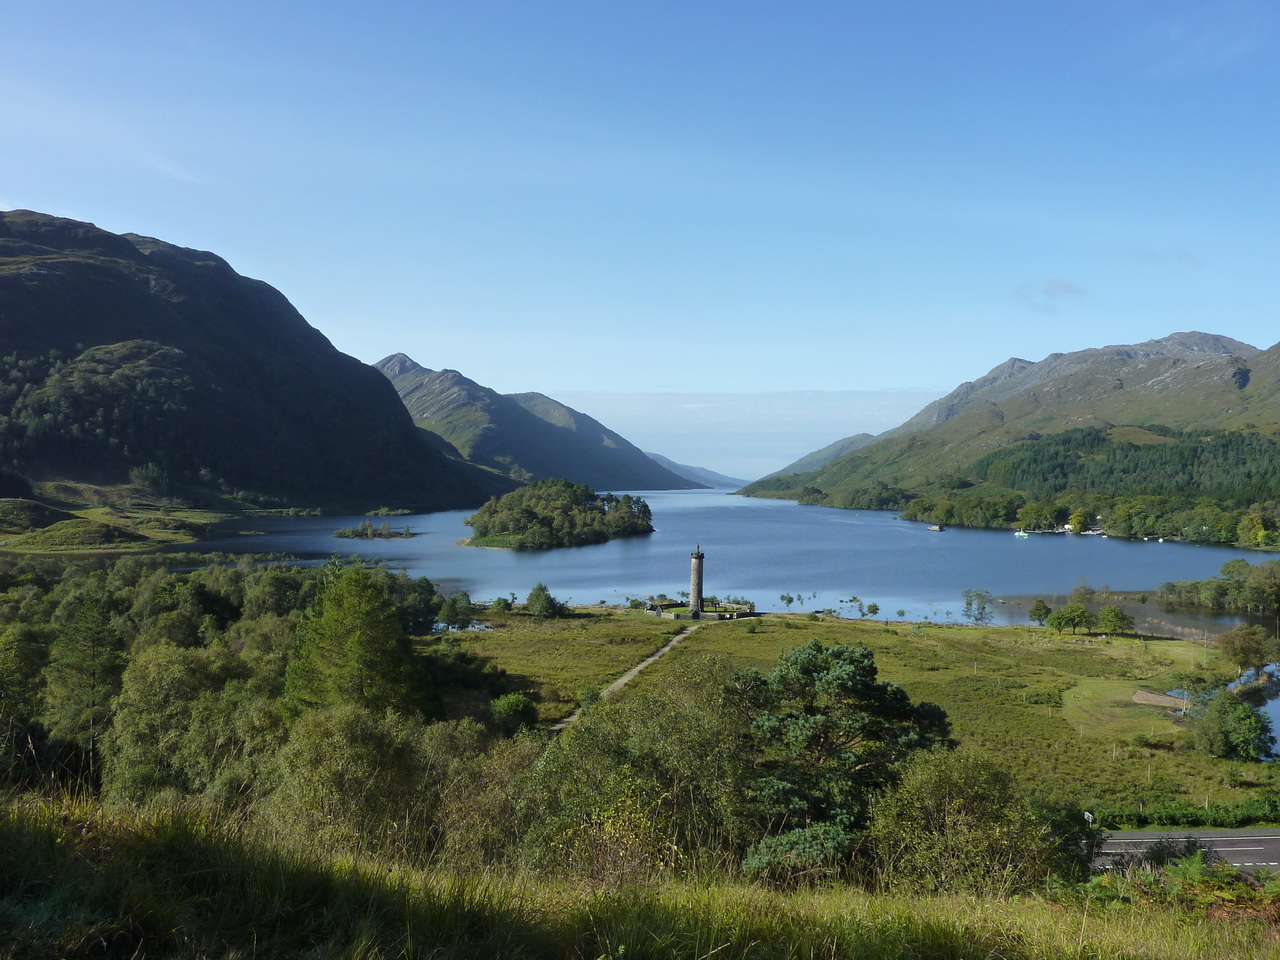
762 549
1263 692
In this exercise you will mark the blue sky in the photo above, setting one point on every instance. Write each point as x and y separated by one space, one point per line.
619 197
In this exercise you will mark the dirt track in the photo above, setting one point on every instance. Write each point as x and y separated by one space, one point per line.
630 675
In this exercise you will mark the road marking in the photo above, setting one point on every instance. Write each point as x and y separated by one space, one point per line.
1167 839
1237 849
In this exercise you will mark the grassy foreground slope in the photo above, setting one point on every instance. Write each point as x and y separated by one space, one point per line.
563 658
78 880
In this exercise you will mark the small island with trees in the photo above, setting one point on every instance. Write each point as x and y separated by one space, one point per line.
365 530
557 513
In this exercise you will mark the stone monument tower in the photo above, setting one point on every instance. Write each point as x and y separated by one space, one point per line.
695 582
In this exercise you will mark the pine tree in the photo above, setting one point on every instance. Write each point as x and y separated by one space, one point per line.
351 650
83 675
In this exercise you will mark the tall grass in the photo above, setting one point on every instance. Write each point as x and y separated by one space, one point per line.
76 880
749 922
80 880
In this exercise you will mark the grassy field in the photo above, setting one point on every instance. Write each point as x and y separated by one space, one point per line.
1057 709
79 880
561 659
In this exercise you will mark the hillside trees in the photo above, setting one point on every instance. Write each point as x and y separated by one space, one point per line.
1202 486
22 653
1073 615
541 605
958 821
180 721
643 782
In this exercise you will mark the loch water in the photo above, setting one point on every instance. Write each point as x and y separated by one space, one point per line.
760 550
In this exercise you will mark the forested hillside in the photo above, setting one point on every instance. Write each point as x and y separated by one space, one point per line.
123 352
1171 438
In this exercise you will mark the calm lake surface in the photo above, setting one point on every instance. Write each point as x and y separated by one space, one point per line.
761 549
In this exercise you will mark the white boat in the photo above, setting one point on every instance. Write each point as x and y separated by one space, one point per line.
1022 534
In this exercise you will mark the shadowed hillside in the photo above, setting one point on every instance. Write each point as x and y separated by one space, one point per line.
527 436
124 351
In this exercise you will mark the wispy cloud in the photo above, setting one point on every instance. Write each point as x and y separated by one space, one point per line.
80 132
1044 296
1171 256
1209 39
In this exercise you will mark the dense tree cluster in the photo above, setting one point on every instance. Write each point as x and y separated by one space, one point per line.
108 407
557 513
1232 468
297 699
1201 486
143 679
1241 587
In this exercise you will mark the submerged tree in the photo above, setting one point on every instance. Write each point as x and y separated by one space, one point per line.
1228 727
1248 647
977 607
1111 619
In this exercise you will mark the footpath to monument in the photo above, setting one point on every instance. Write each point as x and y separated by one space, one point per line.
630 675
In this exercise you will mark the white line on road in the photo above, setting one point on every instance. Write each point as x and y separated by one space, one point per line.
1167 839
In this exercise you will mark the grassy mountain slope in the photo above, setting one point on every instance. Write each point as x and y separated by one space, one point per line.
1186 380
820 458
527 436
123 350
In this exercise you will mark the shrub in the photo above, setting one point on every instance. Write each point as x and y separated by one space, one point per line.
541 605
959 822
512 711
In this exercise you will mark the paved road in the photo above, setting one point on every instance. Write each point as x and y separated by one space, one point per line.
630 675
1252 848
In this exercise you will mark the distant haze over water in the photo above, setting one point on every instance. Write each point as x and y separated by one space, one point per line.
748 434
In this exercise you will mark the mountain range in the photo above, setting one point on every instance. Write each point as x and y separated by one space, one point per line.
123 351
1185 381
124 355
525 436
698 475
